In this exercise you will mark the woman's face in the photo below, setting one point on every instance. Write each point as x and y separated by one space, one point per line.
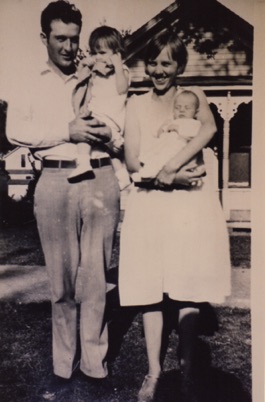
163 71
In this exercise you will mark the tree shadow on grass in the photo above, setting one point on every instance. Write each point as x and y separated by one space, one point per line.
212 386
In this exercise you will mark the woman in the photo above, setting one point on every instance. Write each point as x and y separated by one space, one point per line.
174 240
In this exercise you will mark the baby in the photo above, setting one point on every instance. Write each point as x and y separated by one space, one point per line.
172 137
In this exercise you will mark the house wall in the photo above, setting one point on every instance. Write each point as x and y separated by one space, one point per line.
225 63
234 159
18 166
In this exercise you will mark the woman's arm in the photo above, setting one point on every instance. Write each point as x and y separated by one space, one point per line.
132 138
122 75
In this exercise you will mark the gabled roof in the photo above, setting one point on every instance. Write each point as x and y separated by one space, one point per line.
138 40
202 15
202 10
15 150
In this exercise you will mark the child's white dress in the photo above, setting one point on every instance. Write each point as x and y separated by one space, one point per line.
105 102
172 242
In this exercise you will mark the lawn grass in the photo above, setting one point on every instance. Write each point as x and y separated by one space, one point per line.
25 344
26 361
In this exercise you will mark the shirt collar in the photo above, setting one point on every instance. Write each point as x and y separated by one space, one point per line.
46 68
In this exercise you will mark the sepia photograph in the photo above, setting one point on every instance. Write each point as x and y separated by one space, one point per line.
130 256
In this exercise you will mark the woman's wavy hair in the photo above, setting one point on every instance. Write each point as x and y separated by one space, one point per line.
168 38
108 36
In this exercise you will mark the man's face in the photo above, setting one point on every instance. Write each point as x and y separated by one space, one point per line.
62 44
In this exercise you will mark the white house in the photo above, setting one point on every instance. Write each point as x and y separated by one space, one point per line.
17 164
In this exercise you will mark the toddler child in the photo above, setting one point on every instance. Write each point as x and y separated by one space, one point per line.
172 137
105 96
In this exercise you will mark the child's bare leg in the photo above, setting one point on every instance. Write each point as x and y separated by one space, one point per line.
82 159
121 173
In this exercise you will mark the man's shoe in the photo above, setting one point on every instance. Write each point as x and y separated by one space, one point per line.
56 386
105 383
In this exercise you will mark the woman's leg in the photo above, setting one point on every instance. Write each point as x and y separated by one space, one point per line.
153 324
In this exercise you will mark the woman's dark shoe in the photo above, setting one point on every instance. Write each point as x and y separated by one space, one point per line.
188 390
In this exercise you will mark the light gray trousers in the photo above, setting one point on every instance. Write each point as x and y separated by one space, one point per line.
77 224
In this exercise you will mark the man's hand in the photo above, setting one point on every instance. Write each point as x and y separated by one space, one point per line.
89 129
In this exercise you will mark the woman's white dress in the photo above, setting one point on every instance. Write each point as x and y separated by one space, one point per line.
171 242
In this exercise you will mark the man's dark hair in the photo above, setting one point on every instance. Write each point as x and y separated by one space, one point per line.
59 10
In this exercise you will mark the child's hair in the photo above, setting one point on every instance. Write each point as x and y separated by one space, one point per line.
188 92
171 39
109 37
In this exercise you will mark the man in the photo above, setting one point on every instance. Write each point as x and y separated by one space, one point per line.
76 221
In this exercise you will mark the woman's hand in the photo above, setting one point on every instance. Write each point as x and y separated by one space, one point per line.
186 176
165 177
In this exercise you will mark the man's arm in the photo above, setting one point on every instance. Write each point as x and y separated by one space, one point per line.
28 127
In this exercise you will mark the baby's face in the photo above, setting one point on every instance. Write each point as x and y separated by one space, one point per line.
185 106
102 53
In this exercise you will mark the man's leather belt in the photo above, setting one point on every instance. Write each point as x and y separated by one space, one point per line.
62 164
100 162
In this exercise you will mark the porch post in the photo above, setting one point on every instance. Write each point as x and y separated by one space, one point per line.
227 108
